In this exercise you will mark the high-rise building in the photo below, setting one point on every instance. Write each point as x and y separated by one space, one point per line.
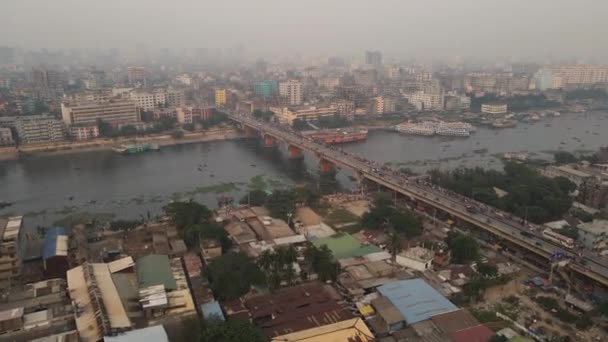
46 79
116 111
96 79
292 90
287 115
265 89
220 97
137 76
373 58
580 74
6 137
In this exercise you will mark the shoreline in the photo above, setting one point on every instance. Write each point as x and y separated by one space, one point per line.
66 147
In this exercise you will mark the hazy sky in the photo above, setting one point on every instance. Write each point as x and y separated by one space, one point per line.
400 28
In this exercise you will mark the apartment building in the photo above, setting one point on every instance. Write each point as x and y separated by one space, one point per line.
292 91
84 132
137 76
580 74
10 250
220 97
286 115
193 114
425 101
37 128
158 98
115 111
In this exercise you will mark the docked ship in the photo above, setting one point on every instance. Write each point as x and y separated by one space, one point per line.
415 128
428 128
503 123
135 148
340 136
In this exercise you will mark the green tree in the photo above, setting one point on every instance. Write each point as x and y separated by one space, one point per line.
255 198
280 203
487 270
233 274
187 213
128 130
278 266
563 157
321 261
394 245
178 134
233 330
463 248
105 129
188 127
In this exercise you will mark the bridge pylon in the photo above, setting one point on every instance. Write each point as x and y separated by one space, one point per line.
269 141
294 152
326 167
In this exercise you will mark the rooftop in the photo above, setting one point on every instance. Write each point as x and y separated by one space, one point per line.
121 264
155 333
7 315
55 243
155 269
415 299
349 330
479 333
345 246
418 253
387 310
595 227
455 321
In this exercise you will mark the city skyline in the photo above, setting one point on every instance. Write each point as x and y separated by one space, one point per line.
488 29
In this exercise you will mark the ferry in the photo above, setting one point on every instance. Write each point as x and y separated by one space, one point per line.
452 131
340 136
135 148
417 129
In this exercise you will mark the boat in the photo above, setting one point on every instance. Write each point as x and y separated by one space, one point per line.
451 131
340 136
4 204
502 123
428 128
535 117
135 148
416 129
481 150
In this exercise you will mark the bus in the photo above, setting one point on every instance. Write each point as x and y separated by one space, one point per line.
557 238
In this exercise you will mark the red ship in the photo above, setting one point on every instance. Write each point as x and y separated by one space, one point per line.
340 136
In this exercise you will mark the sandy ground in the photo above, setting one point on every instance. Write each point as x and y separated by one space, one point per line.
308 216
357 207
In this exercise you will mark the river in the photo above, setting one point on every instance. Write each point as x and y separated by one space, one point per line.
46 188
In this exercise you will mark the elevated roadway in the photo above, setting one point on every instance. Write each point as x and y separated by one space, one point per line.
501 224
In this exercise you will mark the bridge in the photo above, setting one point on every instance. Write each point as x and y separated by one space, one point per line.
503 225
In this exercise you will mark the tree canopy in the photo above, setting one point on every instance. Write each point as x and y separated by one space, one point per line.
233 330
321 261
193 223
563 157
232 275
530 195
278 266
382 214
463 248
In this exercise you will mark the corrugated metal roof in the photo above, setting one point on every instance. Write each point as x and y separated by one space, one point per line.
212 309
11 314
415 299
479 333
121 264
155 333
55 243
155 269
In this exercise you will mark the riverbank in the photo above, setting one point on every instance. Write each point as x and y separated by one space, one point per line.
12 153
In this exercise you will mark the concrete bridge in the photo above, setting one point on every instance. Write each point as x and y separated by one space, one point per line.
501 224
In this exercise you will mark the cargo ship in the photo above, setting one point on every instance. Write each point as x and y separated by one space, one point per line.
135 148
340 136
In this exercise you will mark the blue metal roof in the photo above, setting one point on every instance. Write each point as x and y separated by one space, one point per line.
415 299
212 309
50 241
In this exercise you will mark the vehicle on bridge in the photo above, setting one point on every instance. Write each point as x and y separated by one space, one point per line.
557 238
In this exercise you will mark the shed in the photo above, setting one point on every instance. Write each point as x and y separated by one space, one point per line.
415 299
55 253
155 269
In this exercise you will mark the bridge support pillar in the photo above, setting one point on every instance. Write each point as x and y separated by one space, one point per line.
326 167
295 152
250 132
269 141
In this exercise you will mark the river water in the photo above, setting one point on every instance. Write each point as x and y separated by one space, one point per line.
47 188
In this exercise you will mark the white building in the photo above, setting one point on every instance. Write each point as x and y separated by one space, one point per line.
494 108
150 100
417 258
425 101
112 111
292 90
286 115
594 235
6 136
